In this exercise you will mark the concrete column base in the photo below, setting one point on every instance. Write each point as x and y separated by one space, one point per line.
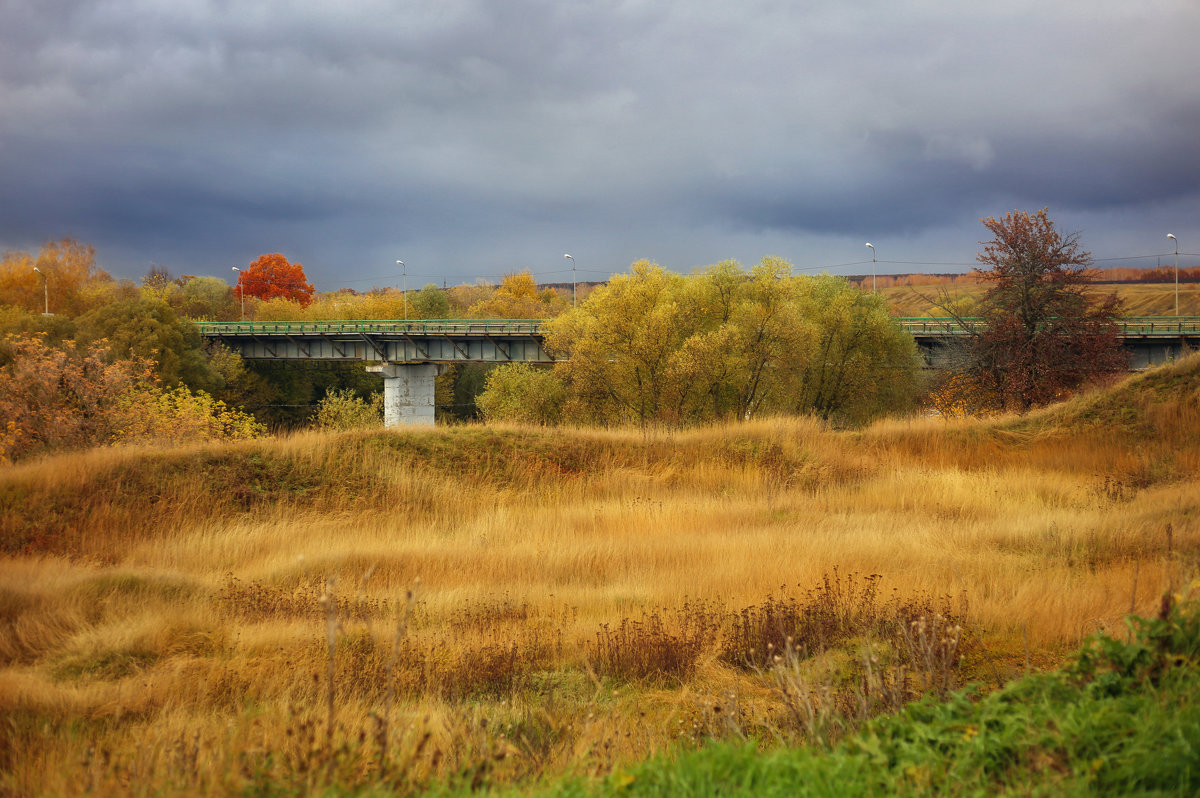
408 393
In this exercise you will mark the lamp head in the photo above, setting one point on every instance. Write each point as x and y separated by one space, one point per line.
399 263
567 256
869 244
36 269
1172 237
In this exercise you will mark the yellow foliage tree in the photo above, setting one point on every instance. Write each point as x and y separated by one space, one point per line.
625 344
652 347
67 278
518 297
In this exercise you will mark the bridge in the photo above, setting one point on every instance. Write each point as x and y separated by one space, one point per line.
1150 340
408 355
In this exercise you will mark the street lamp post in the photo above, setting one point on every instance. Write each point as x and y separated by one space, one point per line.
572 279
241 292
45 289
404 288
872 246
1176 240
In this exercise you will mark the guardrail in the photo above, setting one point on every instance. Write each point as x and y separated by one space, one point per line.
419 327
1161 325
1132 326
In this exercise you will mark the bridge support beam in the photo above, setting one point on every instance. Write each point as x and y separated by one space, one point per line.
408 393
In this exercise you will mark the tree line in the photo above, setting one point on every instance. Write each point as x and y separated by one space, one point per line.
650 347
105 340
731 344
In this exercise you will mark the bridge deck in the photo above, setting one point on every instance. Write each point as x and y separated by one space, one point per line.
1133 326
221 329
1129 327
521 340
422 341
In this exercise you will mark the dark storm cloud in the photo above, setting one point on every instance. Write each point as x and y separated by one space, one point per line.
475 137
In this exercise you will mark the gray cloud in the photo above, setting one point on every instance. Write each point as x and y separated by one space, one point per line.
476 137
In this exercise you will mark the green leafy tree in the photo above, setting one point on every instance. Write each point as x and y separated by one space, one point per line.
655 348
203 299
149 329
431 302
15 321
467 382
342 409
522 393
754 329
857 363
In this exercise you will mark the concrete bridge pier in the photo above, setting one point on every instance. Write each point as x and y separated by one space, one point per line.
408 393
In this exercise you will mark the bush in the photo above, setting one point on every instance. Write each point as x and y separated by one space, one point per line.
180 416
341 409
55 399
522 393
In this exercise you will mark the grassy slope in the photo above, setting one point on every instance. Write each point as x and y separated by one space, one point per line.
1122 719
49 506
121 630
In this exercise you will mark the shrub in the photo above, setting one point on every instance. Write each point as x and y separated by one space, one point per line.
181 416
341 409
522 393
54 399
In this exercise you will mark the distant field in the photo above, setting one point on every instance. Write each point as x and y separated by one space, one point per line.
1141 299
582 598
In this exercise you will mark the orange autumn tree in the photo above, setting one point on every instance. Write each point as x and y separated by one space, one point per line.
272 276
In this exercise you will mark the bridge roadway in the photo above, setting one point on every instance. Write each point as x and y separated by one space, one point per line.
409 354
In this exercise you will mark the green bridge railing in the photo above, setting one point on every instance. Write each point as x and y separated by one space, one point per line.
1132 326
419 327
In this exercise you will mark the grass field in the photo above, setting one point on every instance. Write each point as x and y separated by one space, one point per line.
496 606
1141 299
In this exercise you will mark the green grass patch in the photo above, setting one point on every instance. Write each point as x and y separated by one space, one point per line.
1122 719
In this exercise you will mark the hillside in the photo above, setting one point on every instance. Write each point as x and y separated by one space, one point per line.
1154 405
1140 299
503 605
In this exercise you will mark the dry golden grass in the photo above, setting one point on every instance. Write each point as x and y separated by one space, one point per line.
1140 299
162 626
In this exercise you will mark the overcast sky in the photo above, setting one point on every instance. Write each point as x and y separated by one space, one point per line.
471 138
